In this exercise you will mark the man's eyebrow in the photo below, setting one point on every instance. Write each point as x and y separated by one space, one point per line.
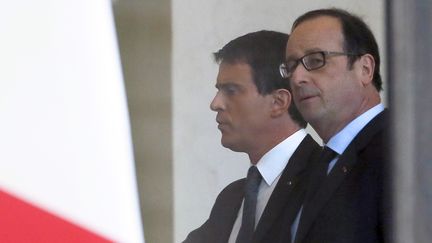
308 51
226 85
315 49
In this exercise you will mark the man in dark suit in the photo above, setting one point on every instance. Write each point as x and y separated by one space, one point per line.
256 116
333 63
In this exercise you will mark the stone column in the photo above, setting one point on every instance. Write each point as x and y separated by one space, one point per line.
409 38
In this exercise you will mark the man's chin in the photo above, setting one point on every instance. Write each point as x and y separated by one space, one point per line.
230 145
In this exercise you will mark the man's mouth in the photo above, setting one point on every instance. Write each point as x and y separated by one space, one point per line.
307 97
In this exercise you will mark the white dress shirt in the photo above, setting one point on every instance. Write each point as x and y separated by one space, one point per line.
271 166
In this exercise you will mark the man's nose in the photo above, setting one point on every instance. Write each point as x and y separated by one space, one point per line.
216 104
299 75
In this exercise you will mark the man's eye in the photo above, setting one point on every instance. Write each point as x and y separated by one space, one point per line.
230 90
314 60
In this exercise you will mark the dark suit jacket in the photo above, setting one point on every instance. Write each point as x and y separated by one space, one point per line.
288 192
349 206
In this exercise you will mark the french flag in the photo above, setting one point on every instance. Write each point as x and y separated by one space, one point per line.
67 170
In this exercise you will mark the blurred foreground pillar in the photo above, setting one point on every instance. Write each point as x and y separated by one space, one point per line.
409 39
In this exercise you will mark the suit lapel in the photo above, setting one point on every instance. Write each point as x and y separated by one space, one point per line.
325 191
289 178
342 168
229 213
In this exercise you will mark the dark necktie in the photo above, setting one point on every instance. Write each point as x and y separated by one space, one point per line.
253 180
317 178
326 156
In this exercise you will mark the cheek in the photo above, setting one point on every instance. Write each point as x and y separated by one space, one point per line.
335 82
352 83
248 113
345 93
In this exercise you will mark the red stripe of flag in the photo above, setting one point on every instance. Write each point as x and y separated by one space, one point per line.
21 222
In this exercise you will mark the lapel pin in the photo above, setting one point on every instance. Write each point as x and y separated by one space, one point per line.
344 169
289 183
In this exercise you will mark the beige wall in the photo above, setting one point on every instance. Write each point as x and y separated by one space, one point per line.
166 51
144 35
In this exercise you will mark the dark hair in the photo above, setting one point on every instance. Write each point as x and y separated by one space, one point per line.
358 37
263 51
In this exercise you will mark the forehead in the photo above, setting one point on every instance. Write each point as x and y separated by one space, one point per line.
237 72
320 33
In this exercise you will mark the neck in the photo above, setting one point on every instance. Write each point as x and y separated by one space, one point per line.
327 129
272 138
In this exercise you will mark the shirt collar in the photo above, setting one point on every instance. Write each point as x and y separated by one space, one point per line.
342 139
274 161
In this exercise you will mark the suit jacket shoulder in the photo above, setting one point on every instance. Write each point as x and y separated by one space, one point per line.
218 226
348 205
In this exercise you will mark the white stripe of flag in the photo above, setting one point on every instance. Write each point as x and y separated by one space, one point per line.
66 153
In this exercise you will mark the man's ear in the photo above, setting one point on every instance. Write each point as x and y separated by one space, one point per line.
367 68
281 100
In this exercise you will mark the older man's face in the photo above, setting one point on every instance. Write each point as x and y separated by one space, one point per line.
334 92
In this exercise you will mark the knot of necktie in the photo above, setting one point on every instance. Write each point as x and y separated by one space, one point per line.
327 155
253 177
